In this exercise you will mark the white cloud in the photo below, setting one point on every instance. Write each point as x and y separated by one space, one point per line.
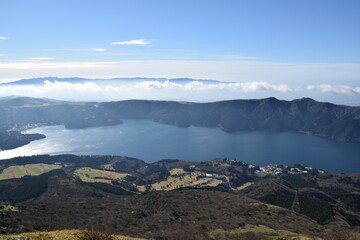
1 55
133 42
201 86
99 49
156 90
41 58
342 89
195 91
3 38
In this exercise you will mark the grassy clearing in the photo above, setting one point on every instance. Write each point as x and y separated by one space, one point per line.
95 175
177 171
35 169
25 170
179 178
56 235
261 230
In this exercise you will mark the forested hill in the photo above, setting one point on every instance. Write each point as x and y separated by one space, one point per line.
176 199
301 115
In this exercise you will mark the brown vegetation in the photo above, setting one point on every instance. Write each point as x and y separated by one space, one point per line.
69 203
94 235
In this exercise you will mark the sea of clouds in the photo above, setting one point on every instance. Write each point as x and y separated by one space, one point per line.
196 91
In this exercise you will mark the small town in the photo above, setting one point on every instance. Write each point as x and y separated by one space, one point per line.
274 170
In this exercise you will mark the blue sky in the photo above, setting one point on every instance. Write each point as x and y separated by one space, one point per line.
247 40
277 30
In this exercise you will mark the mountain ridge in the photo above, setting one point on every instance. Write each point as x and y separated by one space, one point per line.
337 122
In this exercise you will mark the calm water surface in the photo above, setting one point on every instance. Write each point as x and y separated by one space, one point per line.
152 141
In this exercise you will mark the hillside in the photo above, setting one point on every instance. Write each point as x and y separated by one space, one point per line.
301 115
65 235
173 199
67 203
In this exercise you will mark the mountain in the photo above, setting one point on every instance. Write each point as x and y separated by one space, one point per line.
40 81
304 115
301 115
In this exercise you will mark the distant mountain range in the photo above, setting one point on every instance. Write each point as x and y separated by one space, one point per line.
39 81
304 115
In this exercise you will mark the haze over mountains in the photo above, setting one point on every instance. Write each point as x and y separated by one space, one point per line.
40 81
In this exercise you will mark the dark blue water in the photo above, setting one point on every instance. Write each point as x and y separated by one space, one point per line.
152 141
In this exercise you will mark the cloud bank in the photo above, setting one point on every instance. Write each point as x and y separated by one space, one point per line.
163 90
327 88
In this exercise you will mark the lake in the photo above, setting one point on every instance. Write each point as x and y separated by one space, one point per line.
151 141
